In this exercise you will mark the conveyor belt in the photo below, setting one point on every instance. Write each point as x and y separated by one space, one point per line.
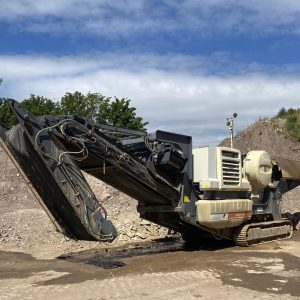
62 189
290 168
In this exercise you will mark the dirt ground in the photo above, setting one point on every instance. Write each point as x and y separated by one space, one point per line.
162 269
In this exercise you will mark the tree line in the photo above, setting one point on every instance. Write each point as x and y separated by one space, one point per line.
100 109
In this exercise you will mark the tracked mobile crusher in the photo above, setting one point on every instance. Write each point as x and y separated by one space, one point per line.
200 193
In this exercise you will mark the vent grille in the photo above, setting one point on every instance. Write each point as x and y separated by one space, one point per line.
231 169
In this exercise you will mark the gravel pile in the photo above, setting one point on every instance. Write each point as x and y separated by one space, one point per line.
121 209
23 223
266 135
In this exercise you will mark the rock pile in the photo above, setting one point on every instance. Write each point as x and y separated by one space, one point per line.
268 135
121 209
24 223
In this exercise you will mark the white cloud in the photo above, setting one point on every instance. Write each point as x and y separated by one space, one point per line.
170 99
125 17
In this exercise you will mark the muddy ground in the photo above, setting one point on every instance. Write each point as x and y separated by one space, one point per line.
161 269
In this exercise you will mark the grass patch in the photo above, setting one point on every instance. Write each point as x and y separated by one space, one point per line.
292 117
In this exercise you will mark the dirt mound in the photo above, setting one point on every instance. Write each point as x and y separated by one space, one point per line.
269 135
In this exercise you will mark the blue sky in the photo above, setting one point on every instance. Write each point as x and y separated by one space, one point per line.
186 65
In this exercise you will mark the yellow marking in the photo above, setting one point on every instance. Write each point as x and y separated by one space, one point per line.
186 199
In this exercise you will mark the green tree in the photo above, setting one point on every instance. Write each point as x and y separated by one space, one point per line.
281 112
37 105
92 105
7 118
40 106
102 109
122 115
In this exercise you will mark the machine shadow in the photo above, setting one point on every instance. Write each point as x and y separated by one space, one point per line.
110 258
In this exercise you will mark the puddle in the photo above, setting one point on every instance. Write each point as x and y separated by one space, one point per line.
255 269
161 255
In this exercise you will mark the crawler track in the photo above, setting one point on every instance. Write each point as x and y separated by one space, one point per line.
256 233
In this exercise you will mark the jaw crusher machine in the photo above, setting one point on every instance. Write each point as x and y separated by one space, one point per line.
200 193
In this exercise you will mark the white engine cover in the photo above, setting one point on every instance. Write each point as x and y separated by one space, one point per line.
219 168
258 169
